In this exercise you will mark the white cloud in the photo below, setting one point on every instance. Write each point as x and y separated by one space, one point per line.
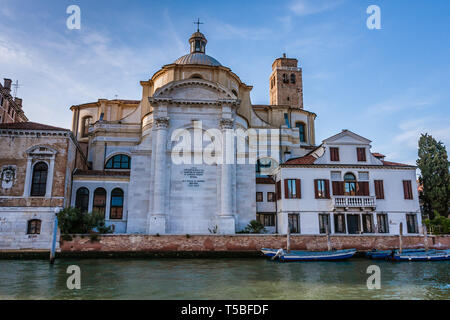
309 7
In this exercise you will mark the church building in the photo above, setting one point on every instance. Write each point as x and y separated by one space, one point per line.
274 170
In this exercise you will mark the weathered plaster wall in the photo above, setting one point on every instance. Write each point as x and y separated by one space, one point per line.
148 243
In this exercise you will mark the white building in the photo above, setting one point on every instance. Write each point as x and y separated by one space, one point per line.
342 185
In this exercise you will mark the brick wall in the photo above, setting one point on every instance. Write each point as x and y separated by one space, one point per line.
237 243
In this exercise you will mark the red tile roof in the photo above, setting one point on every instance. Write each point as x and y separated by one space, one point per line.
302 160
395 164
378 155
30 126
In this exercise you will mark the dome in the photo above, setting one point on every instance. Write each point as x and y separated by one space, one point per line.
198 58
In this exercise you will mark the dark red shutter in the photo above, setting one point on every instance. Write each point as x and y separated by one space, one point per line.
286 190
361 154
298 186
407 189
379 189
316 189
327 189
336 185
334 154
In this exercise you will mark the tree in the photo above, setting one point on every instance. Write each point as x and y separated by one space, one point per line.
434 178
254 227
75 221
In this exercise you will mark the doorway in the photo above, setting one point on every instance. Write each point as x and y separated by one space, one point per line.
353 224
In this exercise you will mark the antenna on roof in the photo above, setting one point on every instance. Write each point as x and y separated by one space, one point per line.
16 87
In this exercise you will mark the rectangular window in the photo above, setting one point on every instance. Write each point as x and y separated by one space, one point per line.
363 175
335 176
259 197
338 188
270 196
407 190
301 131
339 223
267 219
382 223
367 223
334 154
292 189
411 223
286 120
379 189
322 190
361 154
324 223
353 223
294 226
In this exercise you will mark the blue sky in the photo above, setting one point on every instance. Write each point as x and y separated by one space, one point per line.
388 85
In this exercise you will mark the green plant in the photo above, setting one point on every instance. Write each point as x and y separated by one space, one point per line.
434 177
438 225
93 237
74 221
254 227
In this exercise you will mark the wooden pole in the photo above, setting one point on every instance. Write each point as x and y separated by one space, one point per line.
288 239
400 237
55 232
425 237
328 238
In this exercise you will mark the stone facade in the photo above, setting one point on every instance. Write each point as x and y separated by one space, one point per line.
10 107
25 146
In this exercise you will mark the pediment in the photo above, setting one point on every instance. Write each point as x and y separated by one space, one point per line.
347 137
194 90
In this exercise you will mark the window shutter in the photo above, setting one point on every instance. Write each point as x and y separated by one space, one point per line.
316 189
407 189
298 188
379 189
334 154
336 188
361 154
286 190
327 189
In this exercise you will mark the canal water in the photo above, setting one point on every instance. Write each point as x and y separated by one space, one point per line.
222 279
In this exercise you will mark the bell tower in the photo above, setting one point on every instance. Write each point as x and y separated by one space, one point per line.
286 83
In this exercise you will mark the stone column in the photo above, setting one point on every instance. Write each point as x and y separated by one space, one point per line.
49 186
158 215
226 216
28 176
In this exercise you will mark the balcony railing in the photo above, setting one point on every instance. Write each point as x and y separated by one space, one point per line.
354 202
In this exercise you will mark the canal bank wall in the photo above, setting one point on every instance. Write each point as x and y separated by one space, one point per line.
203 244
213 246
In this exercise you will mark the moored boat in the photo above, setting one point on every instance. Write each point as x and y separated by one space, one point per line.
295 255
421 255
379 254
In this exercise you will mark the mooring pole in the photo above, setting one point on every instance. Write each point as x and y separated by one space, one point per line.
288 239
55 231
425 237
328 238
400 237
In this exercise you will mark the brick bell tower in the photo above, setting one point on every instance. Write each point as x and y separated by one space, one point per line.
286 83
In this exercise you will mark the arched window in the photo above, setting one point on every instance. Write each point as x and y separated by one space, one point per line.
234 92
116 211
82 199
285 78
85 126
292 78
119 161
34 226
99 201
350 184
301 131
196 76
39 182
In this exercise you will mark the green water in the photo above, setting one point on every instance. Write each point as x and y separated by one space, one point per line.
222 279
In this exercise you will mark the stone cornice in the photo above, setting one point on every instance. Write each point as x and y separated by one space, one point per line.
346 166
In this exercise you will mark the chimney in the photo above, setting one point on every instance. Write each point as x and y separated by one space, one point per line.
7 85
18 101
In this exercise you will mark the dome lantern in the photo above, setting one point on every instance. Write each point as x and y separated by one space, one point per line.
198 42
